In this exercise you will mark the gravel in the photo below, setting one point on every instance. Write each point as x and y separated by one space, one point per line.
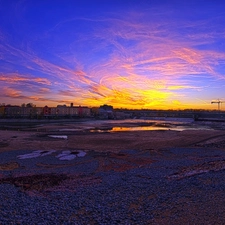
139 195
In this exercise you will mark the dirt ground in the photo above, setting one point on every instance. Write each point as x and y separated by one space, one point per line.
38 139
169 176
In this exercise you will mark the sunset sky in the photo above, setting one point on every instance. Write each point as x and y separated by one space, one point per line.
151 54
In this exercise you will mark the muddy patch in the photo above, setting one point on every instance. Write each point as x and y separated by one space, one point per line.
199 169
37 182
9 166
3 144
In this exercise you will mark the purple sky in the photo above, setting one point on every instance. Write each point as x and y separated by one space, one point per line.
127 53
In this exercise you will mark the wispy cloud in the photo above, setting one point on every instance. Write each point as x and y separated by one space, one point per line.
17 78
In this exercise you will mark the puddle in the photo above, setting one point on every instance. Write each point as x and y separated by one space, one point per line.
116 129
77 129
149 128
59 136
120 129
69 155
71 129
35 154
174 124
65 155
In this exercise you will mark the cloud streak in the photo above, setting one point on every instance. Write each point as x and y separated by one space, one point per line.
17 78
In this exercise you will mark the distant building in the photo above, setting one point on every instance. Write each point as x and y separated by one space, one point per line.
84 111
61 110
12 111
106 112
95 111
2 111
61 106
39 112
121 115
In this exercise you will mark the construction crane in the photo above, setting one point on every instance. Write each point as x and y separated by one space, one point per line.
218 102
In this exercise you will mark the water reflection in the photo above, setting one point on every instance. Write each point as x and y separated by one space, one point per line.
64 155
145 128
115 129
149 128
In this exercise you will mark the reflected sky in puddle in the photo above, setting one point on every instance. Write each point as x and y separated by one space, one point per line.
64 155
174 124
148 128
35 154
59 136
120 129
69 155
116 129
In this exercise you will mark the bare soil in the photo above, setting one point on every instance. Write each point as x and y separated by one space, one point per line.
38 139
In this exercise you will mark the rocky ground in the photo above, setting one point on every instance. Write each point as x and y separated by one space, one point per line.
141 177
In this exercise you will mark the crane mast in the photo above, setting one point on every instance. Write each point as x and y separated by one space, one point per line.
217 102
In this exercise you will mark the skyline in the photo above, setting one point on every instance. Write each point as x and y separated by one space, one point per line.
129 54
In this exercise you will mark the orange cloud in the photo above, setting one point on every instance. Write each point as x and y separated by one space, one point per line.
10 92
15 78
